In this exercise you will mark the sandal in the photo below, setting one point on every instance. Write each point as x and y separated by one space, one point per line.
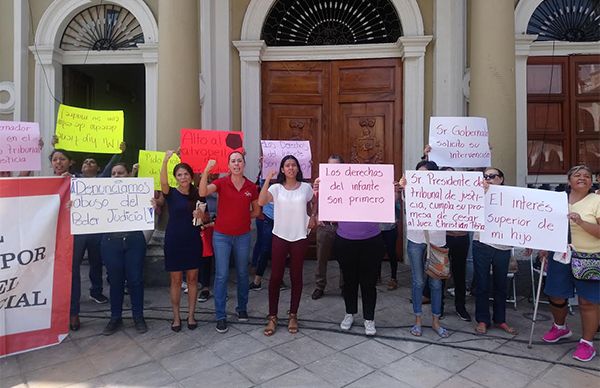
416 330
481 328
442 332
293 323
507 329
271 325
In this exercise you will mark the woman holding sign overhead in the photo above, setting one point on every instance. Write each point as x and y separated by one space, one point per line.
496 257
290 231
183 245
238 203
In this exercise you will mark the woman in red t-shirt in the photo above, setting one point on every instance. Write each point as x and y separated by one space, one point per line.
238 204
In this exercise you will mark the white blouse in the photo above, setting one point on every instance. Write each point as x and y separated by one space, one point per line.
291 217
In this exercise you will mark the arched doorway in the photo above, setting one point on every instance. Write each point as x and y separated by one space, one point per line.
410 47
53 53
558 120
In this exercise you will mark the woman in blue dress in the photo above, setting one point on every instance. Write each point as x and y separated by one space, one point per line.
183 245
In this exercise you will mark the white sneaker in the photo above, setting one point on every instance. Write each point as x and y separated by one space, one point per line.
184 287
370 327
347 322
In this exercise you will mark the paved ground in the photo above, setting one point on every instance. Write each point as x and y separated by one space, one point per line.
320 355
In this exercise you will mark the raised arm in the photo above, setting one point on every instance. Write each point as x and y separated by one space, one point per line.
116 158
164 175
264 197
204 189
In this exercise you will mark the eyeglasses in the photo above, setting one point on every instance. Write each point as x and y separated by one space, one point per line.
490 176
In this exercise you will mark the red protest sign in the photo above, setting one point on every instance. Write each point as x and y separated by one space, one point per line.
35 276
198 146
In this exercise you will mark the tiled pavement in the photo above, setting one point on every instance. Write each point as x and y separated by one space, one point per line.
320 355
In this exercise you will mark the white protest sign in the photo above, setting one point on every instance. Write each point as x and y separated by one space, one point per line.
111 205
459 141
444 200
27 262
274 150
528 218
356 192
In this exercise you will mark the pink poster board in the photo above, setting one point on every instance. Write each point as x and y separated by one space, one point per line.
20 146
356 192
274 150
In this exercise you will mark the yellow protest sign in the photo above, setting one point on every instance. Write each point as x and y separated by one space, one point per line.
150 164
86 130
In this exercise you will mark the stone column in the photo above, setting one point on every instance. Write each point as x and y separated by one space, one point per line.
492 89
413 58
178 70
250 54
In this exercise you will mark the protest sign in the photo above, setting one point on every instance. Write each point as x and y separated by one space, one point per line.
36 248
150 163
356 192
459 141
86 130
444 200
199 146
20 146
111 205
528 218
274 150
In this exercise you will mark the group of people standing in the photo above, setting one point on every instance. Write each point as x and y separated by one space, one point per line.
359 247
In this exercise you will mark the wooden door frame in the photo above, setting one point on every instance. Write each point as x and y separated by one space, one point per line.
411 48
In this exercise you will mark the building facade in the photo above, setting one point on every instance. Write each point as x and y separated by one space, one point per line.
357 78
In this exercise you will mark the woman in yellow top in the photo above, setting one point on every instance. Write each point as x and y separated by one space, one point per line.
584 217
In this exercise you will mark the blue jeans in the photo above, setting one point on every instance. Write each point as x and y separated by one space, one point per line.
484 257
123 255
223 246
81 243
417 255
262 247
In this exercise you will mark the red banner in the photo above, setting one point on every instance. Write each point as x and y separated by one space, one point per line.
198 146
36 249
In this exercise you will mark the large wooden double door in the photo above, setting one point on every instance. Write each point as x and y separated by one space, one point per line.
351 108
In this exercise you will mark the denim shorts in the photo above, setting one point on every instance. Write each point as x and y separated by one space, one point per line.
560 283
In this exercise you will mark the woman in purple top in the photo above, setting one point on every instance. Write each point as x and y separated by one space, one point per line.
360 248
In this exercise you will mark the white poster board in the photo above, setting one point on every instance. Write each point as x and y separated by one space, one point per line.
274 150
27 262
459 141
444 200
111 205
528 218
356 192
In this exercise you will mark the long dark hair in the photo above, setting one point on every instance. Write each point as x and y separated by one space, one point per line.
429 165
194 195
281 175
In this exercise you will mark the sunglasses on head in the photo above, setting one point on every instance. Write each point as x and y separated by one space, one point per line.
490 176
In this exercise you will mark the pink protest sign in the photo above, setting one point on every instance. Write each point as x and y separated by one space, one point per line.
356 192
459 141
20 146
199 146
444 200
274 150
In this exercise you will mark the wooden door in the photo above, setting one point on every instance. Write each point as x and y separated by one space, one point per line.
365 108
352 108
